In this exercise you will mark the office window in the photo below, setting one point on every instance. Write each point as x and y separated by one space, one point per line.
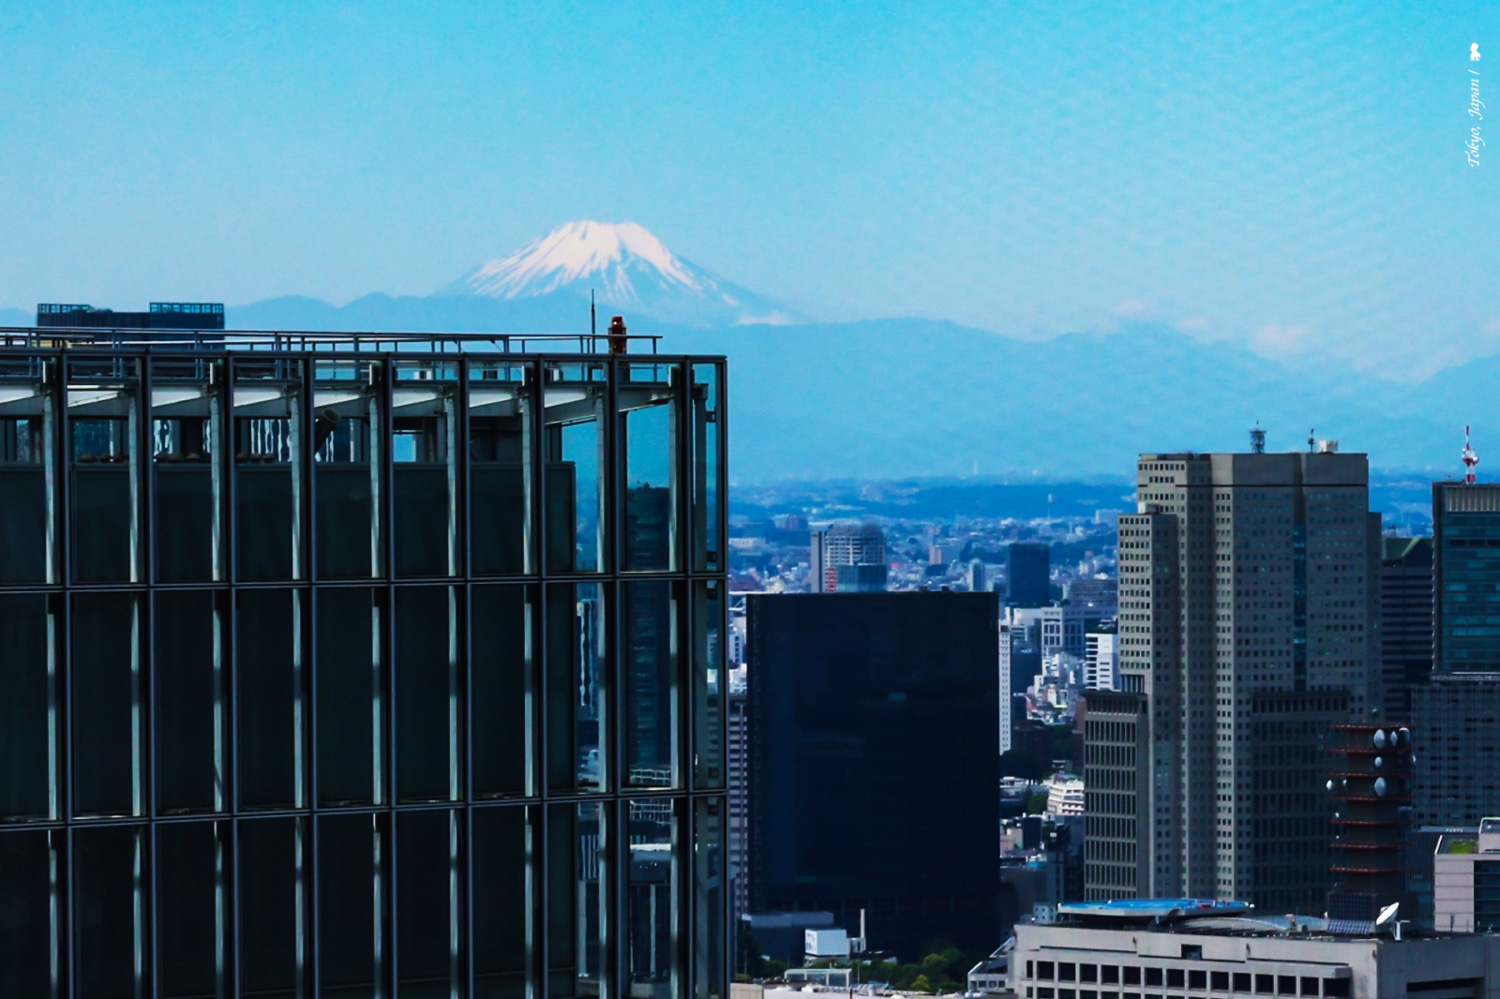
707 468
1265 985
270 459
1219 981
1241 982
1309 986
651 898
349 918
191 919
647 399
649 668
348 450
1132 975
501 876
1067 971
190 701
1286 985
427 903
709 883
186 428
107 723
709 686
500 688
1109 974
1197 979
500 434
270 681
1337 987
28 880
27 432
424 472
104 484
272 905
349 687
578 713
1088 972
1175 978
28 707
427 703
577 846
574 447
109 912
1154 976
1045 971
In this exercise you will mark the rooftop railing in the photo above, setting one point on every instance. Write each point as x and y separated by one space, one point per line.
309 341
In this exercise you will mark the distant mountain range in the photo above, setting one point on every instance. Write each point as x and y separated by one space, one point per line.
909 397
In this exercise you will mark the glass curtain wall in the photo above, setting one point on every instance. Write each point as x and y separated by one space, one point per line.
353 674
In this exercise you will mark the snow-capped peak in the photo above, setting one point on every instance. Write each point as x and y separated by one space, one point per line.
624 265
578 250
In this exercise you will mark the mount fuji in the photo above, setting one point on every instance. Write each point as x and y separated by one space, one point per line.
626 267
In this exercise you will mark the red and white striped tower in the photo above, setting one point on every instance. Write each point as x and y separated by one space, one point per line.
1470 459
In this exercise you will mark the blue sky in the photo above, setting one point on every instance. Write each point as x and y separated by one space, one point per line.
1289 176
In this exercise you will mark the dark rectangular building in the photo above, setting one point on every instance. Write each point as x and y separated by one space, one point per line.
1466 577
360 669
873 763
1030 575
1405 622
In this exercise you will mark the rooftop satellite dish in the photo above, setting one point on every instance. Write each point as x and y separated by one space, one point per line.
1387 914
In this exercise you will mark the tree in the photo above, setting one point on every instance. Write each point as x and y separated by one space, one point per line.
920 984
1037 803
1019 763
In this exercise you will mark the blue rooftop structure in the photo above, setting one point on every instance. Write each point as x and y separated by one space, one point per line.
1145 910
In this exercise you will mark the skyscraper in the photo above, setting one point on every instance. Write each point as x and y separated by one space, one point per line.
1030 575
873 766
1406 610
1247 628
331 667
1466 576
850 559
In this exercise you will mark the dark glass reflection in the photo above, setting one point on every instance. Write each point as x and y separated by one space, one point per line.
270 680
574 444
271 909
28 750
651 900
709 965
346 467
348 914
106 705
709 680
648 429
349 697
707 469
268 457
28 935
427 905
109 913
189 701
500 689
189 908
650 676
25 496
499 469
423 483
500 861
103 499
426 699
576 691
576 845
184 443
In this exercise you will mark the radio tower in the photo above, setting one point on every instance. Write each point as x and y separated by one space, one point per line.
1470 459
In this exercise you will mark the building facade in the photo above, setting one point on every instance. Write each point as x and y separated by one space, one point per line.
1466 577
863 707
1029 575
1458 752
849 558
1248 620
340 667
1406 611
1466 881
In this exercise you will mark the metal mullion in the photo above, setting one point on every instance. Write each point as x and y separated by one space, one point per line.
145 472
152 944
539 956
461 569
311 838
68 920
535 380
614 901
684 881
609 513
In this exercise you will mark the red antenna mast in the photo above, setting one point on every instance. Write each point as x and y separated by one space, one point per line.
1470 459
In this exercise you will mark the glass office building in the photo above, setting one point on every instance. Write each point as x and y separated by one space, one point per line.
335 667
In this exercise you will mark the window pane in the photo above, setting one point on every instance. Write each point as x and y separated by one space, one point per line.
269 674
27 460
576 844
185 441
707 469
106 705
428 928
500 857
574 455
349 697
189 702
709 680
103 424
423 451
190 908
426 699
270 907
348 905
28 744
346 468
268 465
651 721
500 414
709 968
576 692
28 943
652 900
648 440
108 913
500 689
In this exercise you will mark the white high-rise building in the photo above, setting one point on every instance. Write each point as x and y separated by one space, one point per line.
1249 596
1101 660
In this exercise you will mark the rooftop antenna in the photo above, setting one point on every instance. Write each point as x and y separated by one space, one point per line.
1257 439
1470 459
593 323
1312 439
